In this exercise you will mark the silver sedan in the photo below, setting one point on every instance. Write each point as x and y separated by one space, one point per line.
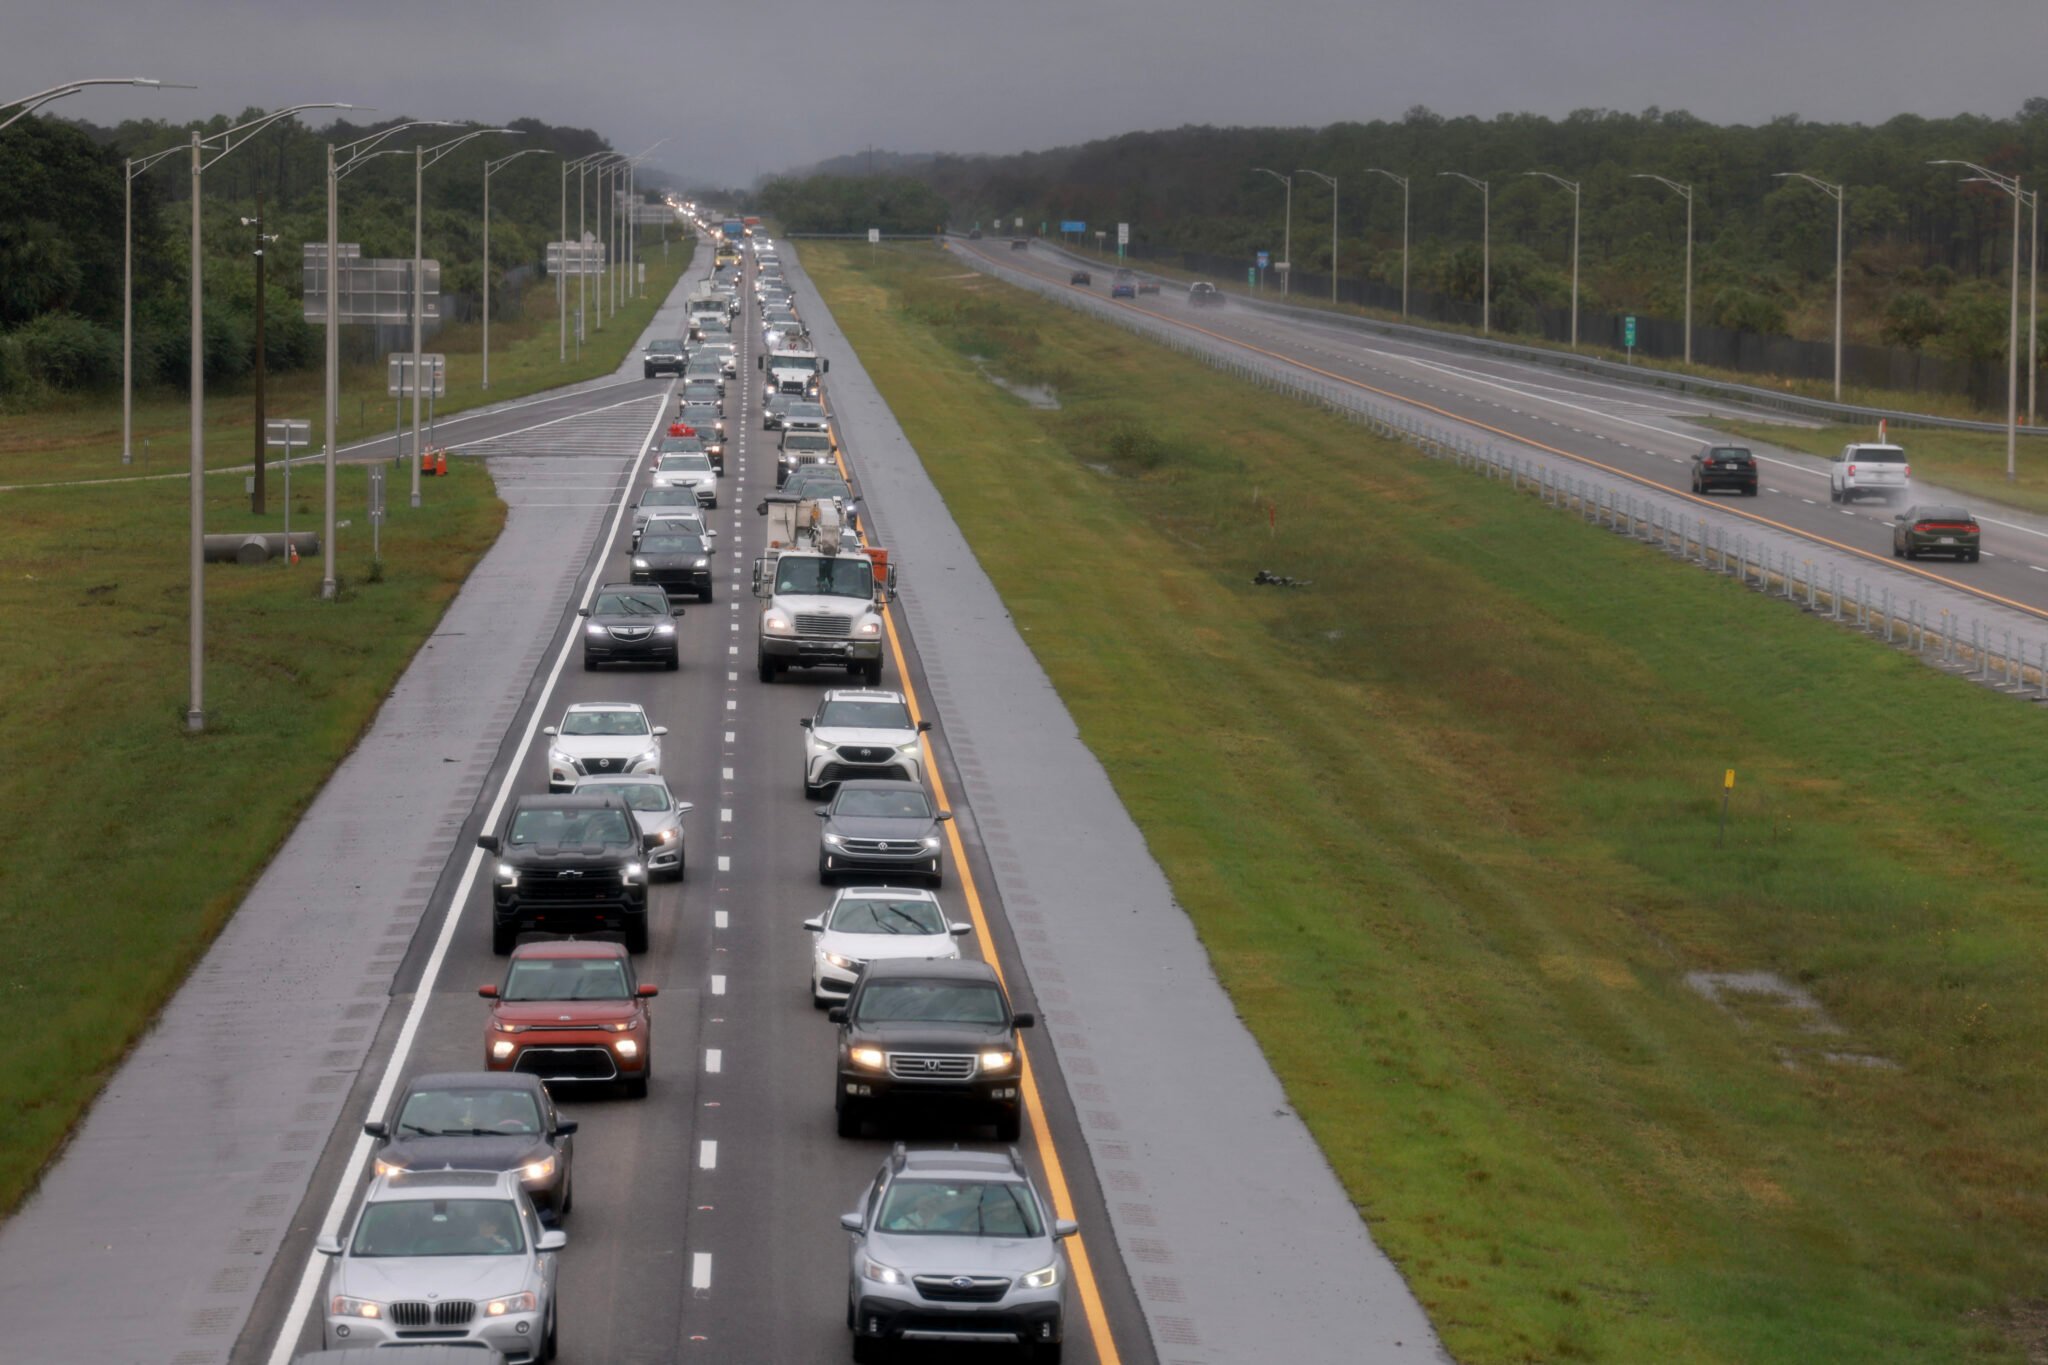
659 814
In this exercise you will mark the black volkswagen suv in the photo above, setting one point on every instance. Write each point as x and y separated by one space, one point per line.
937 1032
568 864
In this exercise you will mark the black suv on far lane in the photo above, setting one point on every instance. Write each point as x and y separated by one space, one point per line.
937 1032
568 864
1724 467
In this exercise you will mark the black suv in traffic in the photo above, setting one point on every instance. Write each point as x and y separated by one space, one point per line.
930 1032
571 864
662 357
1724 467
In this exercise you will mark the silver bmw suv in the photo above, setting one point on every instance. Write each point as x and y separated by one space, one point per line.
956 1246
445 1256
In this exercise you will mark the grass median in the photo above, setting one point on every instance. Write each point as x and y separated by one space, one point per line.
78 436
1606 1087
130 841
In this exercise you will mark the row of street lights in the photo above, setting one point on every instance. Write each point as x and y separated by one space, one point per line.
622 241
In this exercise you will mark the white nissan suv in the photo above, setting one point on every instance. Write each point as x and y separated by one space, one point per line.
861 732
601 739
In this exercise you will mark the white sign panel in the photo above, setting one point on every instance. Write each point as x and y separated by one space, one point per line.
1123 234
874 235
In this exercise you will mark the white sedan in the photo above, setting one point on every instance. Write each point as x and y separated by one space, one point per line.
870 922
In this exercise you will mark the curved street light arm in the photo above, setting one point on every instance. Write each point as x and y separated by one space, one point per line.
1682 191
1473 181
430 155
1329 180
24 107
1572 185
360 151
220 144
1400 180
492 167
1833 191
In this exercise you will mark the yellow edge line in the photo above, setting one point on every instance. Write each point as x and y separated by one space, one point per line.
1533 443
1041 1132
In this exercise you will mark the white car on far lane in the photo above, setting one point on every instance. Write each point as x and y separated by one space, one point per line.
866 923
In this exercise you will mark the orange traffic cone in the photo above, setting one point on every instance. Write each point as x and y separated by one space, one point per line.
440 462
291 553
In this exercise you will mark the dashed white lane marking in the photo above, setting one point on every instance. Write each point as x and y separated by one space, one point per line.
729 736
718 985
735 627
2037 568
707 1154
732 649
724 863
700 1270
1811 503
725 815
725 774
719 919
714 1060
732 704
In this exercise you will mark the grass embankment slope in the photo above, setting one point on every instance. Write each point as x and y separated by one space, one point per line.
1446 823
1969 462
78 436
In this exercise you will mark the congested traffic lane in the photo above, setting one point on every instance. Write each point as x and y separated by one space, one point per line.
1646 438
706 1216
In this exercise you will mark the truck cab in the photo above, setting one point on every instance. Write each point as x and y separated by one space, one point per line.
793 367
822 610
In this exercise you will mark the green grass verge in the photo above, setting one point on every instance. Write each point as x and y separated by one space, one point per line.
130 842
1446 823
1971 463
79 435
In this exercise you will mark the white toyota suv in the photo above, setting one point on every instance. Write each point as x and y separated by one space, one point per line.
861 732
601 739
1866 467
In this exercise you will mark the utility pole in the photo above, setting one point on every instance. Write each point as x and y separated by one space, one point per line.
256 496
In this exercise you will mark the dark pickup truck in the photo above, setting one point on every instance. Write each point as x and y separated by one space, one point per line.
568 865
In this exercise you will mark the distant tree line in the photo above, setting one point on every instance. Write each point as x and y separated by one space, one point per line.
61 239
853 203
1927 256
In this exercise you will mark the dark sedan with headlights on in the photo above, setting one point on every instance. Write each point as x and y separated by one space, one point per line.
880 825
1941 530
676 561
630 623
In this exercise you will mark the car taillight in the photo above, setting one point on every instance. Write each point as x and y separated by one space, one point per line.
1905 471
1923 528
1852 471
1971 529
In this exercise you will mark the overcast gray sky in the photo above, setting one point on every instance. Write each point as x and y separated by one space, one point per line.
748 86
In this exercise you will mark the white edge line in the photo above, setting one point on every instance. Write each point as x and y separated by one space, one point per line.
301 1305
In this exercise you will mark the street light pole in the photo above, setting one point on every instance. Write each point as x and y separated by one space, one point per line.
1485 248
2011 185
1684 192
1573 186
491 168
134 167
561 274
24 107
1331 181
2033 296
1286 233
1402 181
1838 193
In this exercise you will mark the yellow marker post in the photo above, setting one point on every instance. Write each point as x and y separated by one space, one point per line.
1727 786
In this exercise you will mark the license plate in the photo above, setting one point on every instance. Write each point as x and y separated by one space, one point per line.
1948 540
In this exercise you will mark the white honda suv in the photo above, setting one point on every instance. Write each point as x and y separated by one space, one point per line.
601 739
861 732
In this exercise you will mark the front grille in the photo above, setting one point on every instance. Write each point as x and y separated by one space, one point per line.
568 886
884 846
961 1288
931 1066
568 1063
593 766
824 623
448 1313
839 772
631 633
865 753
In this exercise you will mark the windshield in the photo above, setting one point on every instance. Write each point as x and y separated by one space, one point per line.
883 803
848 576
671 545
931 1002
825 484
700 415
690 462
806 363
874 915
572 978
639 795
806 440
620 604
664 347
863 715
618 722
439 1227
1878 455
467 1113
816 410
999 1208
668 497
568 828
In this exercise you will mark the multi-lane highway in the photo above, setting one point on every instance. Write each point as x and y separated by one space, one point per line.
1640 436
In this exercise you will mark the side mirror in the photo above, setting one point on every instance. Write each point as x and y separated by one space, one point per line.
488 843
487 992
378 1130
1900 516
1064 1228
850 1221
824 365
327 1246
761 361
837 1014
676 615
763 508
648 992
661 729
958 929
685 807
549 730
823 811
583 611
924 726
566 1128
943 816
554 1239
804 722
1024 1020
816 924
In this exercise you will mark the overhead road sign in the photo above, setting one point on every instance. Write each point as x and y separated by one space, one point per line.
1073 226
368 289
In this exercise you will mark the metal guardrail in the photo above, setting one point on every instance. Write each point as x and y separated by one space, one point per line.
1640 376
1985 651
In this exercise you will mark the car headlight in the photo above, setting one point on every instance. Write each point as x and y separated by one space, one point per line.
910 748
869 1057
870 628
833 840
620 1027
846 963
931 841
775 623
538 1170
664 836
879 1273
626 1047
507 875
382 1167
594 629
343 1306
502 1050
995 1059
632 873
525 1301
650 756
703 564
639 563
500 1026
664 629
819 742
1043 1279
561 759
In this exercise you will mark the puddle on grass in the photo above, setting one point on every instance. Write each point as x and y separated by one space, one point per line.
1766 998
1038 396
